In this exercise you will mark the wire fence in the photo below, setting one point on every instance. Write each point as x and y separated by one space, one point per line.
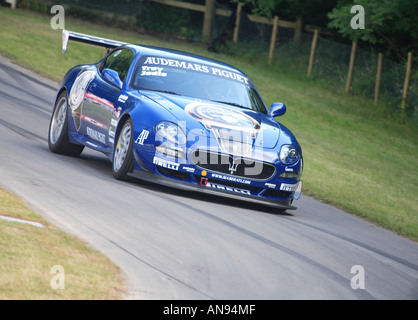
330 64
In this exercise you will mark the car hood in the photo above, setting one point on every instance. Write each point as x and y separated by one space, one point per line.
220 121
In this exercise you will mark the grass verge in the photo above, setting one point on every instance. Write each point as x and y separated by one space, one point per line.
356 156
30 255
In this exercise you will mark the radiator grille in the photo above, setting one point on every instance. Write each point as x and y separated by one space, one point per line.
236 166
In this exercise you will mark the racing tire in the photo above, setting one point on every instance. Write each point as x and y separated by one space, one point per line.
58 141
123 161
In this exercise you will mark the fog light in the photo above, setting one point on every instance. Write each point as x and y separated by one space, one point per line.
288 175
170 152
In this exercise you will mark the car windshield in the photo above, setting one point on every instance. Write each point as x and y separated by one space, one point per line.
196 80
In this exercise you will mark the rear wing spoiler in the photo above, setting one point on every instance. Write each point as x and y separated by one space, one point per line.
85 38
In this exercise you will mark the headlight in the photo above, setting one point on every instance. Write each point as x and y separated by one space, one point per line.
171 132
288 154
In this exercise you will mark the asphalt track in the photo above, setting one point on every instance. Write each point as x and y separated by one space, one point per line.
173 245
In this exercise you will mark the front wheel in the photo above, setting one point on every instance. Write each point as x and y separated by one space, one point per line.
122 156
58 141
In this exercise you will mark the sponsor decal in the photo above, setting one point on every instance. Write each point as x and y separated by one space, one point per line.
112 128
229 178
142 136
288 187
212 115
188 169
96 135
122 98
77 94
270 185
153 71
166 164
112 141
229 74
79 88
288 169
181 64
235 131
225 188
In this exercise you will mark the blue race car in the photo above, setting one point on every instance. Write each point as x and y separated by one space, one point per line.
177 119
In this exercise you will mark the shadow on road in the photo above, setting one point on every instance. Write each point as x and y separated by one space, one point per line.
102 164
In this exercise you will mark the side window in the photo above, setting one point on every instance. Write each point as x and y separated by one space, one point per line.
108 61
119 61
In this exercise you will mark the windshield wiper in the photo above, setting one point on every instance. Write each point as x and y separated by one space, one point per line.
163 91
232 104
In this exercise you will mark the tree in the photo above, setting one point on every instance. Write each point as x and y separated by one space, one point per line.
259 7
390 26
312 11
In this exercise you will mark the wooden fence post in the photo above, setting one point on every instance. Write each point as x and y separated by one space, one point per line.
237 22
208 18
378 76
351 67
298 30
406 84
273 38
313 48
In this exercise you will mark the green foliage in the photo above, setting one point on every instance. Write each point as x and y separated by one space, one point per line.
378 14
37 6
160 18
83 13
259 7
389 25
312 11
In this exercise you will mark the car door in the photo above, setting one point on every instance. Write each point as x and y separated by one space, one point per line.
101 98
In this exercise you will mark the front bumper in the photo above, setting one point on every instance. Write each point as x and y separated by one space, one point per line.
261 186
213 188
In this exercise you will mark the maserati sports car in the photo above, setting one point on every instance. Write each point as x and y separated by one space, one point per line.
176 119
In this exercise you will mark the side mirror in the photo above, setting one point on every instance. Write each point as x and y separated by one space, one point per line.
277 109
112 77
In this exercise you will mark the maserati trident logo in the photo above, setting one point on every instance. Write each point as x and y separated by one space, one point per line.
233 165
